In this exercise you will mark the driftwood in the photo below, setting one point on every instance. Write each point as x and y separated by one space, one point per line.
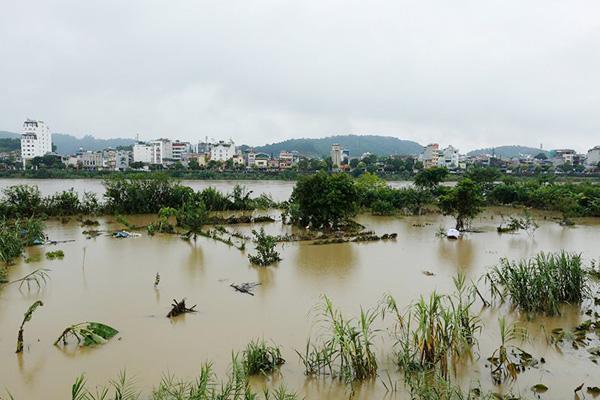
246 287
178 308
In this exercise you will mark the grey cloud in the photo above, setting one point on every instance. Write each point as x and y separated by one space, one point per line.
473 73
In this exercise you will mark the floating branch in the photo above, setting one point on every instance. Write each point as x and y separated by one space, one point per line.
87 334
179 307
246 287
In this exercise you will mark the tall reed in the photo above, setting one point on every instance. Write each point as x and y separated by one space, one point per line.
541 284
435 332
344 348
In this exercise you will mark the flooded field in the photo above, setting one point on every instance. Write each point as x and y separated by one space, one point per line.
111 280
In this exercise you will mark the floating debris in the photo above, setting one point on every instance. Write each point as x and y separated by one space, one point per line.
125 234
179 307
428 273
156 279
246 287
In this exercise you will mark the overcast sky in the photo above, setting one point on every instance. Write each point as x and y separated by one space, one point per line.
469 73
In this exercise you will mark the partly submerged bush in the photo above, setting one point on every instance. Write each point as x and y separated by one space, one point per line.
265 247
15 235
540 284
261 358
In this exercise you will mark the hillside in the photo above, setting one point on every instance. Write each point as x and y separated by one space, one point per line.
68 144
380 145
507 151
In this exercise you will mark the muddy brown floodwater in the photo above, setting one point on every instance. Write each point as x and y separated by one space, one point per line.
114 285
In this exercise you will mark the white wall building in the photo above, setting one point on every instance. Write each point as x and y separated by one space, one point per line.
162 149
449 158
179 149
336 155
430 156
142 152
36 140
222 151
593 157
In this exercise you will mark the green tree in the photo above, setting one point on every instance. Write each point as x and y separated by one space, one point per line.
192 216
265 247
464 202
431 177
323 200
541 156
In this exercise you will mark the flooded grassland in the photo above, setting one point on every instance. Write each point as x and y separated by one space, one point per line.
112 281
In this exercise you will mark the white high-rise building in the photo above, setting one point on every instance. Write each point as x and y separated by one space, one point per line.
36 140
336 155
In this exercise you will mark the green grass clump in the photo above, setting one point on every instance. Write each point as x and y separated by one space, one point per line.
345 349
541 284
261 358
436 332
58 254
207 386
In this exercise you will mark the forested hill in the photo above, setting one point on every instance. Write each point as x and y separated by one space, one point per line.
69 144
380 145
507 151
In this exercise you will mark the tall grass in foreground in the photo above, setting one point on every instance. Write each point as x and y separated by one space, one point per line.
436 332
431 385
541 284
344 348
207 386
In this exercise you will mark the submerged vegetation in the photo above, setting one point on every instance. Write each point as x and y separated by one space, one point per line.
265 248
207 386
87 334
26 318
540 284
436 332
15 235
261 358
344 347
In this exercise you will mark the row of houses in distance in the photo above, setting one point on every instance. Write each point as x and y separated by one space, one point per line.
449 157
36 141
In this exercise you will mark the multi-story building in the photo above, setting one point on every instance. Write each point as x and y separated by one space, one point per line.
430 156
261 161
238 160
179 148
449 158
222 151
161 150
116 160
90 160
286 160
564 156
142 152
593 157
200 158
336 155
36 140
250 157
